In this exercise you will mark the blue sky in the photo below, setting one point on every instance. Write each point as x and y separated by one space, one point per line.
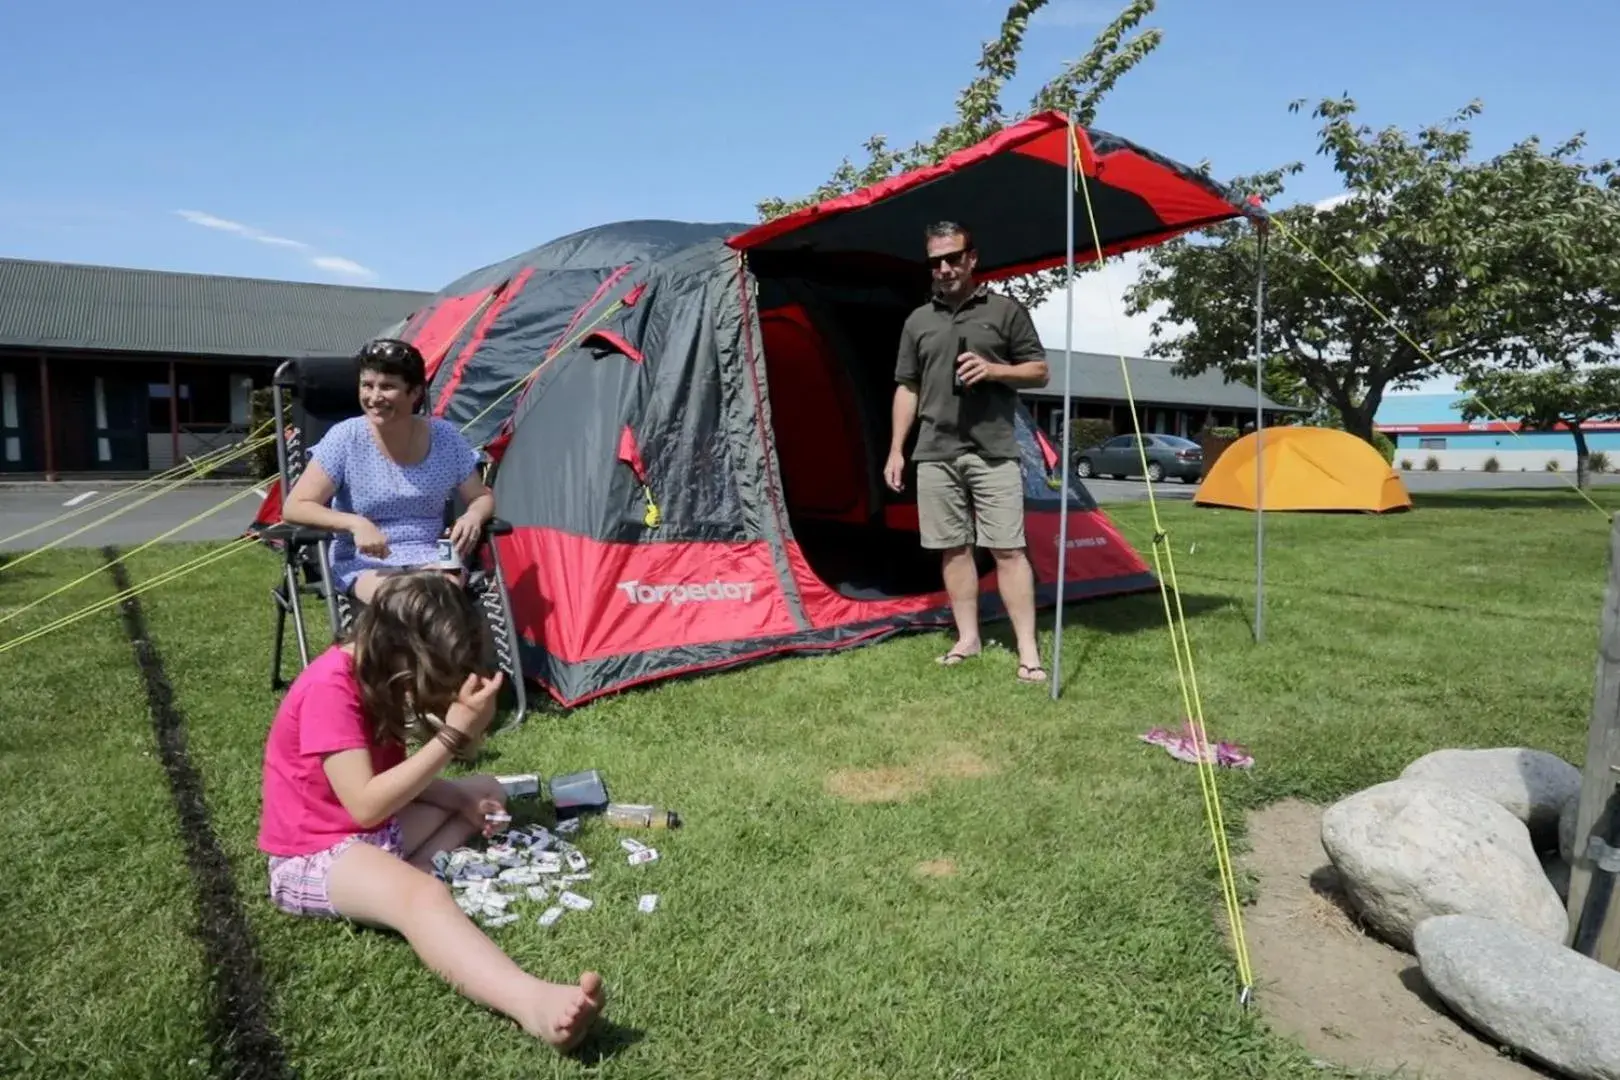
399 145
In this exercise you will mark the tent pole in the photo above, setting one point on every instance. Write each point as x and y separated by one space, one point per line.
1259 438
1068 366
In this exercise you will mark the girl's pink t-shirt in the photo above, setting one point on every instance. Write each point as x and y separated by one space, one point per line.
321 714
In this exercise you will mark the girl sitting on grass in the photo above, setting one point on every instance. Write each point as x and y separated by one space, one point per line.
351 821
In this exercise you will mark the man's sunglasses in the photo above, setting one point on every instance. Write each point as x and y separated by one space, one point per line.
949 258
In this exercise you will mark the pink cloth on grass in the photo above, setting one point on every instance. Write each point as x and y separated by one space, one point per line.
320 715
1185 745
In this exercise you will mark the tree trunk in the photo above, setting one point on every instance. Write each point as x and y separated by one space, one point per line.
1357 420
1583 457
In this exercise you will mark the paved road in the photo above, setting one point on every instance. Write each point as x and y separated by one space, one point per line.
25 506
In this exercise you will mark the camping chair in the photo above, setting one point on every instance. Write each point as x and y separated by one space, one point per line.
323 391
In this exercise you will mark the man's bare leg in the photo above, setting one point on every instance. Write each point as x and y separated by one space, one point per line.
1017 585
962 584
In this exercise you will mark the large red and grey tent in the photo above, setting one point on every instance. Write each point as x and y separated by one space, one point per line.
689 421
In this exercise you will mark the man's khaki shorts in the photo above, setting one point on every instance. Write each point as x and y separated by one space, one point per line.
970 500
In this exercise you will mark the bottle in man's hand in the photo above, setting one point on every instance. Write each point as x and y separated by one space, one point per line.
957 386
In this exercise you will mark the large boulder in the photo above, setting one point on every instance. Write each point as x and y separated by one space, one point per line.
1546 1001
1532 785
1566 828
1406 850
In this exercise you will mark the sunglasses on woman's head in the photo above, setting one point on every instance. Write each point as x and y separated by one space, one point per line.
386 349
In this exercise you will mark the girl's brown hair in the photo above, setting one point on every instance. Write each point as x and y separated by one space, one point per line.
414 646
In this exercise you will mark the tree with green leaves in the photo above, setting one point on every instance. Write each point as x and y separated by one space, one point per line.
1078 88
1545 399
1511 261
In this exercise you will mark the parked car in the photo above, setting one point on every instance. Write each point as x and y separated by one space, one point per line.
1118 458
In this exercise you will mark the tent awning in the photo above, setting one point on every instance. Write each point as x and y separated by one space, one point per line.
1009 190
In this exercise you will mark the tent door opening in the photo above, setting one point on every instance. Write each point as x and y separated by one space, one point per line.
830 372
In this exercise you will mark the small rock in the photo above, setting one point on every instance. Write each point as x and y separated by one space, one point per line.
1409 849
1532 785
1549 1002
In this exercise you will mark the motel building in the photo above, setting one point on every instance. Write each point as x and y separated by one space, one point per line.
1424 426
1166 403
114 372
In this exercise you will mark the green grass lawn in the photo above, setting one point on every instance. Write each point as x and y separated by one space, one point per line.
888 869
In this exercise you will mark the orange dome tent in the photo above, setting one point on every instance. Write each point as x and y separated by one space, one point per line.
1305 468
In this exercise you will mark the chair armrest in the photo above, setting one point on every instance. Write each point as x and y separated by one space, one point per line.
497 527
298 535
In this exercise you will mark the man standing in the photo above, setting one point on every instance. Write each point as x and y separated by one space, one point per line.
963 355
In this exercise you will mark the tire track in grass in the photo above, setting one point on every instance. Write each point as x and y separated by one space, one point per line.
243 1042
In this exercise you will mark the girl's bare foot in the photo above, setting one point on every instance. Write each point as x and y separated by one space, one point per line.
561 1015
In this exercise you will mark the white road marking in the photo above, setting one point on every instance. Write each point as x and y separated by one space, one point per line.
77 499
261 494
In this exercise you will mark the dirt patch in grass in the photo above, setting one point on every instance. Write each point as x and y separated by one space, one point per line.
898 783
957 762
875 785
1320 978
937 868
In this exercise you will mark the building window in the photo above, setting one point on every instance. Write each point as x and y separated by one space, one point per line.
103 444
157 396
241 400
1432 444
9 414
8 400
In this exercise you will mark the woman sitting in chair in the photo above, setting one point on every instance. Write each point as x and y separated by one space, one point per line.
381 480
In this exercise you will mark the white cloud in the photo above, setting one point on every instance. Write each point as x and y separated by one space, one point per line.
210 221
1101 324
335 264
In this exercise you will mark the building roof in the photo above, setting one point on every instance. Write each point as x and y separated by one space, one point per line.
1096 377
50 305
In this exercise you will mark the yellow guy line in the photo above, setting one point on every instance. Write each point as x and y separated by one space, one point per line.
1188 676
1421 350
129 554
242 450
241 543
190 467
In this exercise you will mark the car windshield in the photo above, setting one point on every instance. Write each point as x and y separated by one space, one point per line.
1177 442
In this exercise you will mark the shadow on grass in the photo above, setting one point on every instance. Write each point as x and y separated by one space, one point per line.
17 574
606 1041
1135 613
1132 613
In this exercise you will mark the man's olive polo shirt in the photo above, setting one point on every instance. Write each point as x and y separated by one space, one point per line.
980 419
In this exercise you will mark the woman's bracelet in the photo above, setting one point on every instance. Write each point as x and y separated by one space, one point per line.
453 738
